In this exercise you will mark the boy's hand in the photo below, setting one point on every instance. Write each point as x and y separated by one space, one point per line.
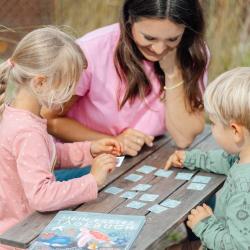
198 214
102 165
176 159
106 145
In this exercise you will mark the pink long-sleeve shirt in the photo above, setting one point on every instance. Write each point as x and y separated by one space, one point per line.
100 88
27 157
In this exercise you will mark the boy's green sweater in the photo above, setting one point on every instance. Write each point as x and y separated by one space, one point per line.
229 228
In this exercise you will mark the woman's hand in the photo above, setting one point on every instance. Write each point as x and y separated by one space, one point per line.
176 159
106 145
198 214
133 140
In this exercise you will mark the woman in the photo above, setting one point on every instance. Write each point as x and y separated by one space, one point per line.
145 76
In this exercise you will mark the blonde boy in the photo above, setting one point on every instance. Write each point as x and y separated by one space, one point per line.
227 101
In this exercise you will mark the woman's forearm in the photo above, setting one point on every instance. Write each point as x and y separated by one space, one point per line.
181 124
70 130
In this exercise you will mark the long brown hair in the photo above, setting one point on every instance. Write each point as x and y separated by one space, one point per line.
191 52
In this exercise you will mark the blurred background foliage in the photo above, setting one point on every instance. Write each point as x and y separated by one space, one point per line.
228 24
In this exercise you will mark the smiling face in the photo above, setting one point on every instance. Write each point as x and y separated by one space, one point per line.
156 37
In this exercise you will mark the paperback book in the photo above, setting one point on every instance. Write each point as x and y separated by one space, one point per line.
91 231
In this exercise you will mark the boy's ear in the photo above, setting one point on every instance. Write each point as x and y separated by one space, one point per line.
238 132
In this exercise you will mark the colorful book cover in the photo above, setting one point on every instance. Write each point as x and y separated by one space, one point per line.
91 231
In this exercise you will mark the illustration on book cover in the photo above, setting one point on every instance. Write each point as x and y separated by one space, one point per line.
90 231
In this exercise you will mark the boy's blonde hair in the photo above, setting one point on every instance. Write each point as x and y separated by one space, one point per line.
46 52
228 97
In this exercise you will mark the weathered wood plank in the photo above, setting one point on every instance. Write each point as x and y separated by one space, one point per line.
20 236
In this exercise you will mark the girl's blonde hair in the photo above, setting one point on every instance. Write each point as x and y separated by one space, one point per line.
228 97
46 52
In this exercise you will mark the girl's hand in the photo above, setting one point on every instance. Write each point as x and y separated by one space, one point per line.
198 214
133 140
106 145
102 165
176 159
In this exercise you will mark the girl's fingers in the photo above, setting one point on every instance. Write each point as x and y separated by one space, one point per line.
117 146
108 149
115 152
110 167
105 157
121 148
109 160
110 144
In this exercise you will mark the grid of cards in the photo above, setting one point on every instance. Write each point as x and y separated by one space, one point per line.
198 182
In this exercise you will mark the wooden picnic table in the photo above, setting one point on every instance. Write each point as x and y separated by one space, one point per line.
157 226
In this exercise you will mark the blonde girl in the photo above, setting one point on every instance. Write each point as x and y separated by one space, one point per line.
43 71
